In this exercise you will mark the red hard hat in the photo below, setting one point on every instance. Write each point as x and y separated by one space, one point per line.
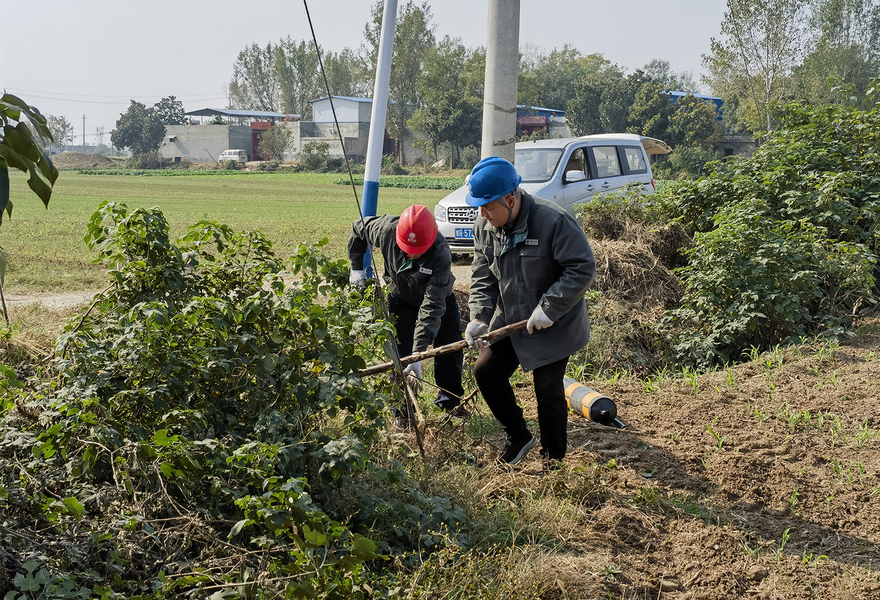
416 230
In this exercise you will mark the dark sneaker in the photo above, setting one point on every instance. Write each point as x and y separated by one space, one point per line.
459 412
517 447
402 420
451 406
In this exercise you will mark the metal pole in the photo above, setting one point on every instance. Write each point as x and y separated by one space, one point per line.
84 133
502 68
376 140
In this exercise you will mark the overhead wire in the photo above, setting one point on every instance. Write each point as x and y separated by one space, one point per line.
377 290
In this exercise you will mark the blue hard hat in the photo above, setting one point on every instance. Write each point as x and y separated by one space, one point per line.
490 179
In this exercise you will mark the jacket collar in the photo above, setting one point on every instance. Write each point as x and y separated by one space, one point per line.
520 228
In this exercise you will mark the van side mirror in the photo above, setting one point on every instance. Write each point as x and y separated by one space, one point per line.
575 176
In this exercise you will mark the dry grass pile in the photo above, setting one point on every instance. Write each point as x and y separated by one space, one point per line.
637 284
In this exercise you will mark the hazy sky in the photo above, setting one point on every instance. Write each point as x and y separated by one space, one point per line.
91 57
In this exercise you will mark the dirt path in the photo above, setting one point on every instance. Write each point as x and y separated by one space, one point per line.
759 481
64 301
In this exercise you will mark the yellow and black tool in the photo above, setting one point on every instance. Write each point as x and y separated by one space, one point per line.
591 404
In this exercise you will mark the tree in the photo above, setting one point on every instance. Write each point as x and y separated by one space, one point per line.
761 42
139 128
650 111
845 47
275 141
583 116
550 79
296 70
413 37
694 123
254 84
660 71
61 129
170 111
20 150
344 74
450 114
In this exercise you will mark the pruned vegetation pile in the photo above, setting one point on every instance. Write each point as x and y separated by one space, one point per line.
636 253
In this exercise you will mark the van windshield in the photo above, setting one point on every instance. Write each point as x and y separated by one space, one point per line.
536 164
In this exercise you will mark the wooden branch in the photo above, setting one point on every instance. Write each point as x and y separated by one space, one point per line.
453 347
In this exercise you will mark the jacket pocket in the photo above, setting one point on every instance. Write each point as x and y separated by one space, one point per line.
537 268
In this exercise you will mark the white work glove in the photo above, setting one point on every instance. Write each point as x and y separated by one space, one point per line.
538 320
358 280
473 333
412 374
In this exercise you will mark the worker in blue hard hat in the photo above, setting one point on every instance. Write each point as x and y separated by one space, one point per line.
531 261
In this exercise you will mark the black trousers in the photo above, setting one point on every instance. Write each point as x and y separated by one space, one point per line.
447 368
493 369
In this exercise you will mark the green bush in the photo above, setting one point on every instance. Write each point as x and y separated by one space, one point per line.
202 392
786 241
315 157
390 166
686 162
411 182
147 160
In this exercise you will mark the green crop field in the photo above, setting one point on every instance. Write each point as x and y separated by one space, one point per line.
46 251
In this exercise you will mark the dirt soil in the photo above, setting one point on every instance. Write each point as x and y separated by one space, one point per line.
761 481
78 160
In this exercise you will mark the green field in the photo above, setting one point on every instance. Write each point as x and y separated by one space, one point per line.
46 249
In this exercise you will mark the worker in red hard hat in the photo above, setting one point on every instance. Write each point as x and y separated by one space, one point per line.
418 270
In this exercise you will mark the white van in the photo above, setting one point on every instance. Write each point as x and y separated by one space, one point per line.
236 155
568 171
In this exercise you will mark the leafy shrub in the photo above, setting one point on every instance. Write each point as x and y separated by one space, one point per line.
470 156
201 391
147 160
315 156
786 240
756 281
686 162
269 165
390 166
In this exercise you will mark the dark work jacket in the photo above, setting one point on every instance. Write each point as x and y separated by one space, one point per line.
424 282
546 260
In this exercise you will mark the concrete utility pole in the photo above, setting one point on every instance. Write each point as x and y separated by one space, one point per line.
502 70
84 133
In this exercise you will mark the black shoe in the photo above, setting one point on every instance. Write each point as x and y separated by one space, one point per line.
402 420
459 412
451 406
517 447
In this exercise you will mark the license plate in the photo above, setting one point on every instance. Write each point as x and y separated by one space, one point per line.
464 233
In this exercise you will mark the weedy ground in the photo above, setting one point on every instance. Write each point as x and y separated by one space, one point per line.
761 480
756 481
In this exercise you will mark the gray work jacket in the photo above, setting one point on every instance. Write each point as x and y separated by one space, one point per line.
424 282
546 260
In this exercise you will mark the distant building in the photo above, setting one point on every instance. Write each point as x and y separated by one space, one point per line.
532 119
